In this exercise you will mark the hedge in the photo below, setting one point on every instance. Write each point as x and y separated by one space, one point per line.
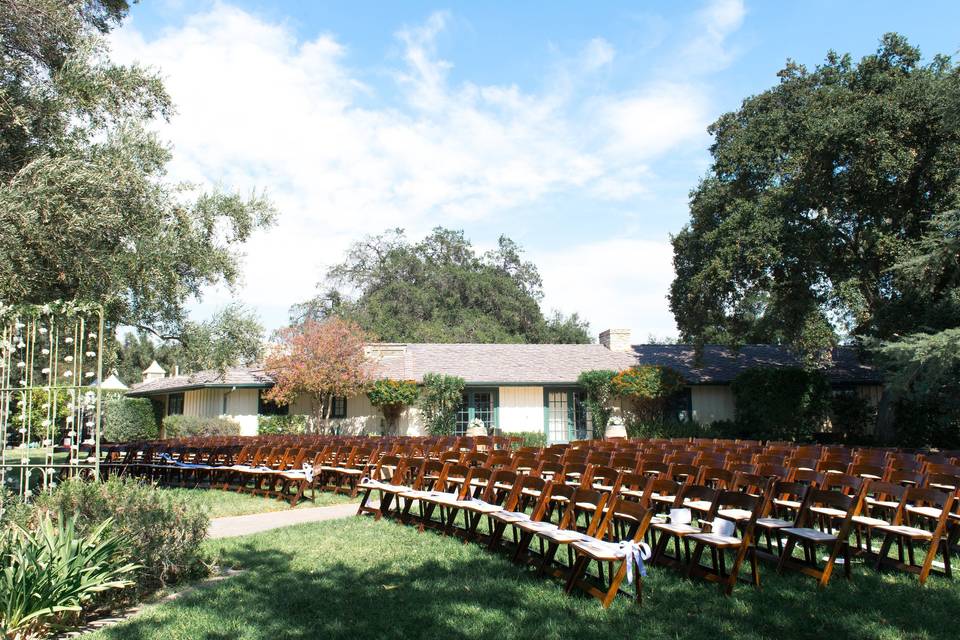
127 419
781 404
276 425
187 426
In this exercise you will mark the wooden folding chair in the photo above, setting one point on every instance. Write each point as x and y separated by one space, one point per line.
736 504
604 549
512 518
678 532
919 505
836 538
386 478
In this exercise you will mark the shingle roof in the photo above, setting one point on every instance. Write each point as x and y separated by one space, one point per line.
538 364
503 363
720 364
237 377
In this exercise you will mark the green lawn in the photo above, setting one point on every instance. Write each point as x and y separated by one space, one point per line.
219 504
357 578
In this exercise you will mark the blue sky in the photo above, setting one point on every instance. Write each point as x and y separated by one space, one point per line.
577 129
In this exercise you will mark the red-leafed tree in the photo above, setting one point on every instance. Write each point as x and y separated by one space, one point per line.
319 359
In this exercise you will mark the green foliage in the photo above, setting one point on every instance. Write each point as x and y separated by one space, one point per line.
597 386
163 531
819 186
276 425
189 426
852 417
641 428
127 419
649 388
925 363
530 438
54 571
440 290
40 401
392 396
924 421
440 397
86 208
781 404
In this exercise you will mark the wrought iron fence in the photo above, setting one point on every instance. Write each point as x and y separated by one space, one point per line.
51 365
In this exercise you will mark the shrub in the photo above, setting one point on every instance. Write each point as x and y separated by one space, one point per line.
639 428
781 404
852 417
530 438
277 425
52 572
163 530
649 387
187 426
127 419
439 400
597 387
392 396
925 422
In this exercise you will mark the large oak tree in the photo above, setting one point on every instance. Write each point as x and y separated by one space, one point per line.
818 187
440 290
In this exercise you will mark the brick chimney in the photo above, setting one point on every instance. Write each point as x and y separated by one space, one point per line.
154 372
616 339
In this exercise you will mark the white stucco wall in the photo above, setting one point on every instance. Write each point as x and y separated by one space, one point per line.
711 403
521 409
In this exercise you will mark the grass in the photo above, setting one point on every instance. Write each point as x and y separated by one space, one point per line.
220 504
356 578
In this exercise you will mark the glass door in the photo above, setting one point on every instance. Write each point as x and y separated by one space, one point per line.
567 417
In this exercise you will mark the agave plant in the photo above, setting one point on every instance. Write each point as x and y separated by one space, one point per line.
53 572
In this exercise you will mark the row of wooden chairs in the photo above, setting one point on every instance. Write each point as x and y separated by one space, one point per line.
587 515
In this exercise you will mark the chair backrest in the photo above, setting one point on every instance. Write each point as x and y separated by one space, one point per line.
850 504
843 482
603 478
715 477
620 509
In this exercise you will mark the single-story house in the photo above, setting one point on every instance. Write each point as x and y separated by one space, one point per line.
511 387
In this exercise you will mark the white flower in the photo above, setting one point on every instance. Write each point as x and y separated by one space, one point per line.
68 374
45 351
68 359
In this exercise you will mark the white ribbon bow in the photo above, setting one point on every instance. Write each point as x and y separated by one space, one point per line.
308 471
636 553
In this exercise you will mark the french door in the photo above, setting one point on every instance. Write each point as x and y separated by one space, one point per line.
566 416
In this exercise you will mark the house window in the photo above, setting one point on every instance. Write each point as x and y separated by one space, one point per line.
477 403
175 404
339 408
269 408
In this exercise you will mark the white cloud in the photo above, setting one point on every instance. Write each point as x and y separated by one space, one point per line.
256 107
598 53
619 283
709 49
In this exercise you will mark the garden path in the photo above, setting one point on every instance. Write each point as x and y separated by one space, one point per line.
255 523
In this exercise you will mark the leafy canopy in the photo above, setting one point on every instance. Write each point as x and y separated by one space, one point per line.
440 290
818 187
318 359
233 336
87 211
